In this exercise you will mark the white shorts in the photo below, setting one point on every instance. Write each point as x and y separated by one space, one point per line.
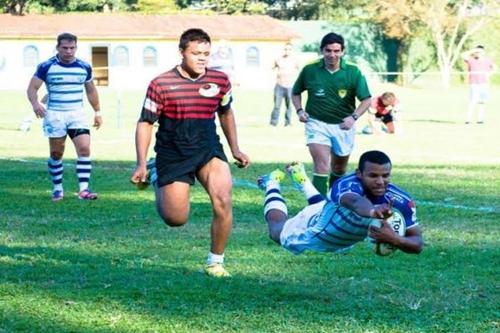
479 93
57 123
294 237
341 141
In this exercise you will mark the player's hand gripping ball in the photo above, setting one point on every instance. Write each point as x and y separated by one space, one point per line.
397 223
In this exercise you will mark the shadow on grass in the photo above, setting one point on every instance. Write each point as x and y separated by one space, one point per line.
114 256
65 287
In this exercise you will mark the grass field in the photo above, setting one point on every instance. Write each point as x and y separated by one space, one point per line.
112 266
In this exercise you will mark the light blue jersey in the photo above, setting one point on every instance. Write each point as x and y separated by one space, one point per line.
401 200
65 83
328 226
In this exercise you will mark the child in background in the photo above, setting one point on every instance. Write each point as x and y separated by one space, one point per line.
383 109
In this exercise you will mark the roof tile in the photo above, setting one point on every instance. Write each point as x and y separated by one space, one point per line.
140 26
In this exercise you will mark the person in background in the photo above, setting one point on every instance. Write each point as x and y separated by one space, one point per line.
286 67
480 69
386 109
332 86
223 61
66 78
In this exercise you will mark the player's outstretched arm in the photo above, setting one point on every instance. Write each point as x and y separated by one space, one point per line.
363 207
228 125
143 133
297 104
32 93
93 98
411 242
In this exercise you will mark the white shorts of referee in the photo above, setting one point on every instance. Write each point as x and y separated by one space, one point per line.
341 141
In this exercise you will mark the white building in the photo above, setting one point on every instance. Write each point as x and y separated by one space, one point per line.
128 50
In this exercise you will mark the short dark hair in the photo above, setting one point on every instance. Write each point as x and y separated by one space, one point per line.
331 38
66 36
480 47
373 156
192 35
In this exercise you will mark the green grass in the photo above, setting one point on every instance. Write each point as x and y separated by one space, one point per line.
112 266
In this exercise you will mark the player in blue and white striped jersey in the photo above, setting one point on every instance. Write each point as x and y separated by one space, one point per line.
66 79
337 223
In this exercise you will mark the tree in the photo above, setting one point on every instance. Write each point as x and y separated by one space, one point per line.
448 23
232 6
14 7
334 10
451 24
156 6
401 25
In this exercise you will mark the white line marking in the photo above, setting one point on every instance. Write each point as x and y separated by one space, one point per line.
248 184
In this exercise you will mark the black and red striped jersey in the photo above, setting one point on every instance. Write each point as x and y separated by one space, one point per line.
177 97
185 109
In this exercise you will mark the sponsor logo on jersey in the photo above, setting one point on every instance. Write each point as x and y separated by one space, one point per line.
320 92
209 90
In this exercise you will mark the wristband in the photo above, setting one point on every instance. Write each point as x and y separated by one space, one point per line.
299 109
354 116
97 114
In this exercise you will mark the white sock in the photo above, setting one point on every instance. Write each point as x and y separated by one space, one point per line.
273 198
309 189
215 258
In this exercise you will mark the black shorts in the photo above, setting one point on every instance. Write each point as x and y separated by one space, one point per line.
386 118
179 168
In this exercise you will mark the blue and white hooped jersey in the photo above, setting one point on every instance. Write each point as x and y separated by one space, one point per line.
402 200
65 83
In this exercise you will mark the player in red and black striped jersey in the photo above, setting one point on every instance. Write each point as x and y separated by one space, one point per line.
184 101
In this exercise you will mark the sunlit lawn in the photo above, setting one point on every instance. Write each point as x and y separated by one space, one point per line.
112 266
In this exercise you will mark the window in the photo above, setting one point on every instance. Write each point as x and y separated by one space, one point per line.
120 56
149 56
30 56
253 57
2 62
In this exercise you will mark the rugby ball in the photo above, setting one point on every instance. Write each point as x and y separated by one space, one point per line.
397 222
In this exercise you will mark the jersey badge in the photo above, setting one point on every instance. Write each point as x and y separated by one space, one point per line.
209 90
342 93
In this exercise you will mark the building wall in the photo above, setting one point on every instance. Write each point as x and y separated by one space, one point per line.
17 68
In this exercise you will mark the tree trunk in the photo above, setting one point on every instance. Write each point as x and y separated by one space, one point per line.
16 7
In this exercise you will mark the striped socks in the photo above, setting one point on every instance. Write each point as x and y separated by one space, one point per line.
83 170
273 198
56 173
